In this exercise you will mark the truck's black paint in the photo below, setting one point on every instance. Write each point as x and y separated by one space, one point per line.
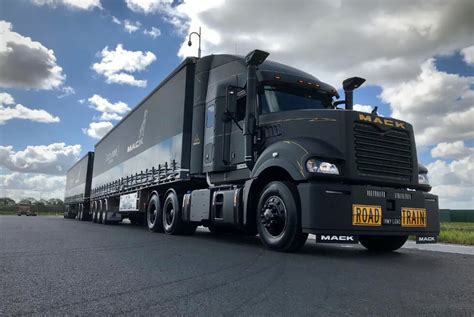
194 138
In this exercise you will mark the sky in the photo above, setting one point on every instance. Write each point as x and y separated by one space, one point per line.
71 69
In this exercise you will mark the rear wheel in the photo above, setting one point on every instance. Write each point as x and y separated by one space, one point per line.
154 218
104 219
382 243
172 217
278 218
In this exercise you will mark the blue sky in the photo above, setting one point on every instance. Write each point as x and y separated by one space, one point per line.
76 37
417 58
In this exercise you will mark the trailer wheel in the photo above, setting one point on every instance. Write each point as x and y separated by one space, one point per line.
278 218
172 218
94 212
154 218
382 243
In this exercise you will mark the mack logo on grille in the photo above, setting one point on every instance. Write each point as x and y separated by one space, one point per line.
384 121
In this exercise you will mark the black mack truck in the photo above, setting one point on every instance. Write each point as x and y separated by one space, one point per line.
241 144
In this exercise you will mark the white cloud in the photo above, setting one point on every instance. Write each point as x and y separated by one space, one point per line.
385 46
21 185
22 112
130 26
438 104
363 108
67 91
110 111
72 4
103 105
25 113
25 63
453 182
6 99
148 6
454 150
97 130
116 20
468 54
117 65
105 116
153 32
54 158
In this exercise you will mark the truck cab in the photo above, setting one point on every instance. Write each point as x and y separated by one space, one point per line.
280 137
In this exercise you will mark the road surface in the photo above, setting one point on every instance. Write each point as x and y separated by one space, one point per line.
50 265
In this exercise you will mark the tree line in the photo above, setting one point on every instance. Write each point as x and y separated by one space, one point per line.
39 205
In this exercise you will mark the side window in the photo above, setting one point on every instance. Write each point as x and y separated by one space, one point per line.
240 108
211 111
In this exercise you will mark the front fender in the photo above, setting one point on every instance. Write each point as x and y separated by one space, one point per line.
291 155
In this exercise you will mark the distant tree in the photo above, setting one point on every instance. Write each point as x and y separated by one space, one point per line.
28 201
41 201
7 202
55 201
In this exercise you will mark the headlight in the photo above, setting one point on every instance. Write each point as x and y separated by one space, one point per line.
316 166
423 179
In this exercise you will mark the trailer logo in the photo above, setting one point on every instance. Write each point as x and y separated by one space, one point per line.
387 122
141 135
109 157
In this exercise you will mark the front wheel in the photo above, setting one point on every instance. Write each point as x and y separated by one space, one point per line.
278 218
383 243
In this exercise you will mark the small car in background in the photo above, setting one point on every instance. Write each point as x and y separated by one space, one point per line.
26 210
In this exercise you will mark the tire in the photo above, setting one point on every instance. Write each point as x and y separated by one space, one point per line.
278 218
382 243
103 219
154 214
172 218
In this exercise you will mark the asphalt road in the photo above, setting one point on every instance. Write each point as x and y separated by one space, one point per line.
51 265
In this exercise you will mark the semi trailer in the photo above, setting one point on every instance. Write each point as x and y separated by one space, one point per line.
250 146
78 188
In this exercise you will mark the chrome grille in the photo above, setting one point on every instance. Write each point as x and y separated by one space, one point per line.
384 154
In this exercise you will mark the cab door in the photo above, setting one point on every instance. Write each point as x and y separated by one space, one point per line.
234 140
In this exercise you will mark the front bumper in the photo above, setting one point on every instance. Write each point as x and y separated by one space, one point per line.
327 208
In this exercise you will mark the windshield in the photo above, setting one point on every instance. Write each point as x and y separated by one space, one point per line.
287 98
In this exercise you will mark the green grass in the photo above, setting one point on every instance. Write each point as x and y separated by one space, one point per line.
457 232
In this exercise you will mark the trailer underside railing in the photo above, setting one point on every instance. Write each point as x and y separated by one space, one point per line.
165 173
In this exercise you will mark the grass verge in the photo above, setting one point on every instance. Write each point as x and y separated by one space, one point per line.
457 232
